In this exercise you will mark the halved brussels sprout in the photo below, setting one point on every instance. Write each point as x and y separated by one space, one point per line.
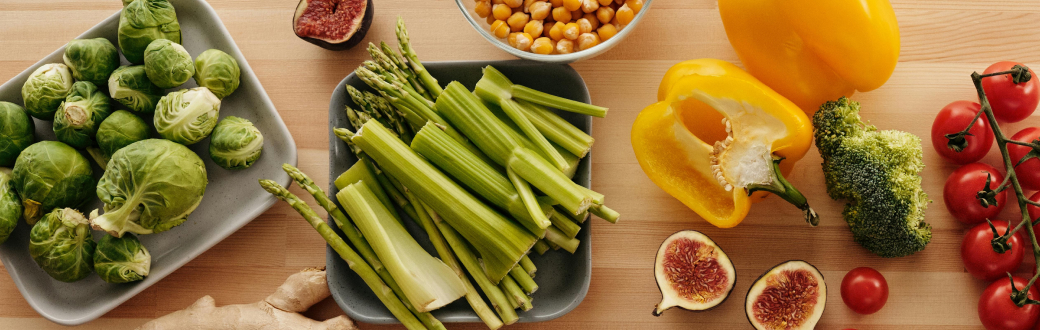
144 21
217 71
121 260
187 116
91 60
117 131
167 64
79 116
45 89
129 85
17 132
236 143
62 245
10 205
49 175
149 186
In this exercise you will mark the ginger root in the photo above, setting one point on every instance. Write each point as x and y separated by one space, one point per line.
278 311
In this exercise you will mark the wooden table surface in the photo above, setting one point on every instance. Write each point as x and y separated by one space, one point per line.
942 43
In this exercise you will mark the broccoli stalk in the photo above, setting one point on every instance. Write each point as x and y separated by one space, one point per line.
877 173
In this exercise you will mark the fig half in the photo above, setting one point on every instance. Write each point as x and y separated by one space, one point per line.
790 296
333 24
692 272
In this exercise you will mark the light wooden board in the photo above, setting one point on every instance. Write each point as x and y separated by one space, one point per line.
943 42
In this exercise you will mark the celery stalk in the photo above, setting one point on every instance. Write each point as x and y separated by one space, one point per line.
499 241
570 158
513 290
490 135
557 129
427 282
361 171
516 114
528 265
465 253
579 218
450 156
523 279
541 247
565 225
444 251
553 101
354 261
605 213
535 209
555 236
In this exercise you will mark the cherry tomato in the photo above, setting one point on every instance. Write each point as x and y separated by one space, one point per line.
1011 102
964 184
1034 211
998 312
1028 173
864 290
953 118
982 261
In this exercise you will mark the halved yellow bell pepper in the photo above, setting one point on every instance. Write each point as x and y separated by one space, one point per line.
716 136
814 51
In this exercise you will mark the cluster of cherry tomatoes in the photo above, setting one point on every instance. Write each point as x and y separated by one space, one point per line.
1011 103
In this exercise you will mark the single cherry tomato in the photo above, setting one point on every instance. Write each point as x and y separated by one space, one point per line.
864 290
963 186
1028 173
1011 102
954 118
1034 211
998 312
982 261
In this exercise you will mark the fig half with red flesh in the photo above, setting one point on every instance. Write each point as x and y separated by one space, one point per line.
692 272
333 24
790 296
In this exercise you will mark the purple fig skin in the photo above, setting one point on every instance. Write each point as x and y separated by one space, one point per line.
354 40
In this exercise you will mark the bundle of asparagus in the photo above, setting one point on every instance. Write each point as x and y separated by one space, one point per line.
422 149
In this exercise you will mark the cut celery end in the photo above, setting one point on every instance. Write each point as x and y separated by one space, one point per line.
361 171
555 236
499 241
536 171
605 213
541 247
528 266
565 225
553 101
557 129
427 281
465 253
571 159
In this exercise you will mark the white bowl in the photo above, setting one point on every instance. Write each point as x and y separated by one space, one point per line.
482 27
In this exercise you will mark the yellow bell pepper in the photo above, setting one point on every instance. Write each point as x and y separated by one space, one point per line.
814 51
717 135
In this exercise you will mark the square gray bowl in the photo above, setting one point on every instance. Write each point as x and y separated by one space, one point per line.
563 278
233 198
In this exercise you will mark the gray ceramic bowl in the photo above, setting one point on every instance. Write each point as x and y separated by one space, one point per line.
563 278
233 198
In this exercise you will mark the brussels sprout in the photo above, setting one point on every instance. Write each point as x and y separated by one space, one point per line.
217 71
149 186
144 21
187 116
62 245
91 60
10 206
121 260
127 2
45 89
79 116
17 132
130 86
167 64
49 175
117 131
236 144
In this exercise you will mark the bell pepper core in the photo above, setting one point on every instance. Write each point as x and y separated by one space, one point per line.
716 128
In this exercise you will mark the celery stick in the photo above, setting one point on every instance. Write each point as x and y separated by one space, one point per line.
458 162
537 214
499 241
361 171
541 247
427 281
513 290
579 218
523 279
557 129
565 225
605 213
553 101
465 253
536 171
528 265
571 160
444 251
555 236
354 261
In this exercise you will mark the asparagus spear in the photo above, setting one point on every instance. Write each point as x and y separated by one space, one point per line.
354 261
466 256
405 45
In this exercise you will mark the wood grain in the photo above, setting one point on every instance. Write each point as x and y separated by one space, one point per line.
942 43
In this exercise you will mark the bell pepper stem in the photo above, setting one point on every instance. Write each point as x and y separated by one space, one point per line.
781 187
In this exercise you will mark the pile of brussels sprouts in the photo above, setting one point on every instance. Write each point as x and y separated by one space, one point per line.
149 185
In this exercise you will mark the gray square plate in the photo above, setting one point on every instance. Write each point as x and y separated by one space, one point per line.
232 199
563 278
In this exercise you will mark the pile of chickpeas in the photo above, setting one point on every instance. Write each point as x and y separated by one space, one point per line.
557 26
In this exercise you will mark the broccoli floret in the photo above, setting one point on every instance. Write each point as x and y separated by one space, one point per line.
877 173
